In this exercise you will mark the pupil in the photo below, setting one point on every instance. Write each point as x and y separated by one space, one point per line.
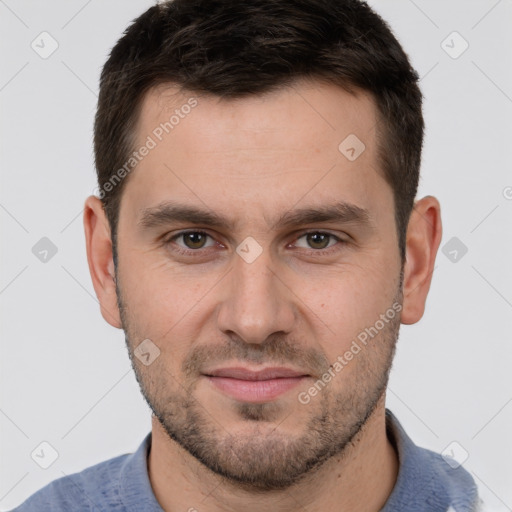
195 239
319 238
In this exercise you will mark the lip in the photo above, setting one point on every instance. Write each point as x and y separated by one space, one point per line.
247 374
255 386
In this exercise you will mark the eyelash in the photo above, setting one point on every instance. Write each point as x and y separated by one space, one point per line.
197 252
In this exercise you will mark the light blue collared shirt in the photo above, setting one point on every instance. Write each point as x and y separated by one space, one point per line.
425 483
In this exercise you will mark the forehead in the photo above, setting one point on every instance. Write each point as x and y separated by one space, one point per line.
264 151
308 107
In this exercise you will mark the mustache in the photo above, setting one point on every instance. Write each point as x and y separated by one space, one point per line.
274 351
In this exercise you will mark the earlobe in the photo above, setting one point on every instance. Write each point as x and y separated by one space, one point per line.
100 259
424 234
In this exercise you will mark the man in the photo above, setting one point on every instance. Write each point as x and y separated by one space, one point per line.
258 240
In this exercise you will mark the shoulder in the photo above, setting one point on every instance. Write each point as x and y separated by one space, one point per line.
94 488
428 480
447 478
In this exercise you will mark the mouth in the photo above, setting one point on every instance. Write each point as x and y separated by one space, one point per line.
253 386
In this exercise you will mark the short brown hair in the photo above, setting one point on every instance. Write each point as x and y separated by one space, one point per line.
233 48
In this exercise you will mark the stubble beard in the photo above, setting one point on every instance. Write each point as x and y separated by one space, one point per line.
264 456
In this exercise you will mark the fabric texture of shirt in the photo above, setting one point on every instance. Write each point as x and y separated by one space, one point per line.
425 483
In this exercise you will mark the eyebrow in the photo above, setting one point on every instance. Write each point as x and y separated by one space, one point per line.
169 212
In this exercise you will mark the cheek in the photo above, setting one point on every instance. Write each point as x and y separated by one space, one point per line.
164 305
151 287
345 303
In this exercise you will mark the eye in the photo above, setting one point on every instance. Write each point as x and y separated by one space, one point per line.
192 240
318 240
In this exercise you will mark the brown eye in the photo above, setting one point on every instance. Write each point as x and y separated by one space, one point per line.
194 239
318 240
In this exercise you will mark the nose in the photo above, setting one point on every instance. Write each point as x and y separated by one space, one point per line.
256 302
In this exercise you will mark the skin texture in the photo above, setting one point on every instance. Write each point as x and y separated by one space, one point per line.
300 303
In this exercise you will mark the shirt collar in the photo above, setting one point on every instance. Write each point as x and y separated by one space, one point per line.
134 485
425 481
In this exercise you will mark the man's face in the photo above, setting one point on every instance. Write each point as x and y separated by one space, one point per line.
256 291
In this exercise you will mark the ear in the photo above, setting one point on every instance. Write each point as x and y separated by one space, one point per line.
424 234
100 259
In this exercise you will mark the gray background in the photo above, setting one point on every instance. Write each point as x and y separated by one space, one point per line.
65 373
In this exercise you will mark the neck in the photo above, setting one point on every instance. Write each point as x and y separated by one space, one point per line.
361 479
